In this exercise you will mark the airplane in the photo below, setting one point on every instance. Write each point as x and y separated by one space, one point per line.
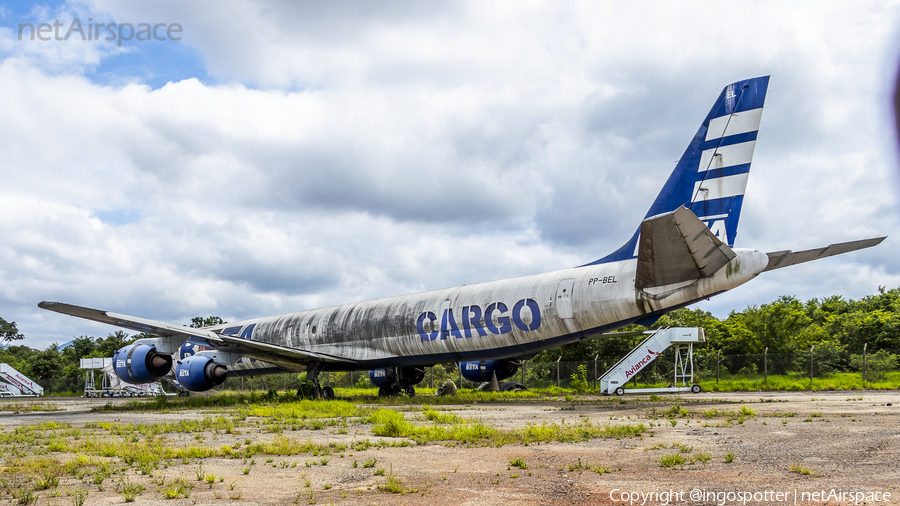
681 253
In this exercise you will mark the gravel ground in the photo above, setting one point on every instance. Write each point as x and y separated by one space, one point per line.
847 441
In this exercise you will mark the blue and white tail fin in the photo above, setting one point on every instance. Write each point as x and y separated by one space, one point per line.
711 176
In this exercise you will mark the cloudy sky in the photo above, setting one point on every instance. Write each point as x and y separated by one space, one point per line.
284 156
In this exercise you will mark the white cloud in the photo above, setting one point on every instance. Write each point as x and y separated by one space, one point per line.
352 151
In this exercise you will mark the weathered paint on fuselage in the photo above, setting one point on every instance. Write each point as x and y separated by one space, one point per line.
384 332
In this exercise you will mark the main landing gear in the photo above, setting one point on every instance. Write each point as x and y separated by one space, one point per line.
311 388
400 381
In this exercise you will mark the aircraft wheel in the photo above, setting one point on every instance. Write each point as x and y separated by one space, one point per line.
328 393
410 391
382 392
512 386
696 389
620 391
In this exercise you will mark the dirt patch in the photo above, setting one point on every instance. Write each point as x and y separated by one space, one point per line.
845 441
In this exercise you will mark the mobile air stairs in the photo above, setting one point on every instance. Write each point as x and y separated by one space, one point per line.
683 338
110 384
15 384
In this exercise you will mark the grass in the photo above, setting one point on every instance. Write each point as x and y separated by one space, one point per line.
702 457
102 452
394 485
438 417
754 382
130 491
47 481
800 382
802 470
584 466
518 462
390 423
23 407
671 460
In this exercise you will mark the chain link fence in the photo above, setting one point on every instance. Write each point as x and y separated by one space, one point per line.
846 369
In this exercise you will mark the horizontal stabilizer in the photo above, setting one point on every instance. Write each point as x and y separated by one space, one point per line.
676 247
787 258
233 344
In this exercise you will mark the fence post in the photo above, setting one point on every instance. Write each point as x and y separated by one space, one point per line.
523 371
811 366
557 371
595 370
865 357
718 361
766 365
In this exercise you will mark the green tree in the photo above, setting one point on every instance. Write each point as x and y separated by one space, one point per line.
877 364
81 347
827 356
46 364
579 379
107 347
774 326
6 357
200 322
20 355
878 327
9 332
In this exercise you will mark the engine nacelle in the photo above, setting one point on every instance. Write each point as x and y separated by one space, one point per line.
199 373
484 370
382 378
141 363
408 376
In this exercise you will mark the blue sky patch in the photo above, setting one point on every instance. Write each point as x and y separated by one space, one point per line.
152 62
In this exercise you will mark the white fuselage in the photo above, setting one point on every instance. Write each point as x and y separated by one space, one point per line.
498 319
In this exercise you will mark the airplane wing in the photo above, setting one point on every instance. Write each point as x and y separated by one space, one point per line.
254 349
274 353
676 247
779 259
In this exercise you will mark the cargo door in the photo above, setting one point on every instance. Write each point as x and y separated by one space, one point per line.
565 308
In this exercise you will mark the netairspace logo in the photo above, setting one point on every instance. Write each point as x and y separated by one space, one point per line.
119 32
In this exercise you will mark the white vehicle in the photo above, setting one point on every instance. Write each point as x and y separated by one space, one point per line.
682 252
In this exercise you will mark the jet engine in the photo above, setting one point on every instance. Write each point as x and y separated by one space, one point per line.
483 371
199 373
141 363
